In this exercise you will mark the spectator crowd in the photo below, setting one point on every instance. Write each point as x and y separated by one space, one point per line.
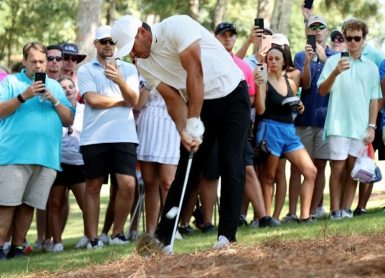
186 94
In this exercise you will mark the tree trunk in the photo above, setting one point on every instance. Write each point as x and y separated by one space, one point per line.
219 12
110 15
280 20
194 8
88 19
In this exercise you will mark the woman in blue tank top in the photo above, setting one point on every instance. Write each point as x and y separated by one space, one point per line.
276 104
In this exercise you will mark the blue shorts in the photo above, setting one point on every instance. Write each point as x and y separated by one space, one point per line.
280 137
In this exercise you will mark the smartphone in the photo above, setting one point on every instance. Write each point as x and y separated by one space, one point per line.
110 60
40 76
263 69
311 39
308 4
259 23
344 54
265 45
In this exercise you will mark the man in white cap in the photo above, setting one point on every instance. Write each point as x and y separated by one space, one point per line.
108 141
207 98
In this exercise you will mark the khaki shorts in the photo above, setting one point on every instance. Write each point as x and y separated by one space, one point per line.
28 184
312 139
341 147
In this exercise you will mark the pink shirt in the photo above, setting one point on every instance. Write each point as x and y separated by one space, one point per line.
247 71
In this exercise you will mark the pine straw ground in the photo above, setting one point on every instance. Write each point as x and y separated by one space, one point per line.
351 256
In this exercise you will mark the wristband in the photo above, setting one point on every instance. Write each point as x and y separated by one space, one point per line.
57 103
20 98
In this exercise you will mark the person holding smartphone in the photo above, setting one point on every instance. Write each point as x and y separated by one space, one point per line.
309 125
353 84
29 145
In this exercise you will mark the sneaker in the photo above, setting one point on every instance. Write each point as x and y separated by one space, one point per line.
104 238
335 215
242 221
95 244
320 212
118 239
38 246
290 218
6 246
359 212
48 246
82 243
254 223
58 248
208 228
167 250
308 220
15 252
346 213
185 230
221 243
268 221
178 236
149 245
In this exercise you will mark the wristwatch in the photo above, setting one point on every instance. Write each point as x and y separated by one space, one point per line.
374 126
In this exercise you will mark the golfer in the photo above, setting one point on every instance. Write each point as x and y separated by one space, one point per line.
207 98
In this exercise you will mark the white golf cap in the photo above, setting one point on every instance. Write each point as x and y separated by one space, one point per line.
279 39
103 32
123 33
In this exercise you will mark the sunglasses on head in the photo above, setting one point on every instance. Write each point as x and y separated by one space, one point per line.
57 58
317 27
70 57
355 38
338 39
105 41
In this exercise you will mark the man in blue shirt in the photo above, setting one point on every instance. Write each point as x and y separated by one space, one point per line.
31 117
310 124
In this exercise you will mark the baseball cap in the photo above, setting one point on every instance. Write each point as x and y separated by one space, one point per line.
123 34
316 19
279 39
72 50
225 26
335 33
103 32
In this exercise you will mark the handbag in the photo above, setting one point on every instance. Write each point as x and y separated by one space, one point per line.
261 152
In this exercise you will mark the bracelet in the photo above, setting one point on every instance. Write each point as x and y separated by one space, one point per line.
20 98
57 103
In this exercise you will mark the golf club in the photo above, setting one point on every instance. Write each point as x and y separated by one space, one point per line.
177 210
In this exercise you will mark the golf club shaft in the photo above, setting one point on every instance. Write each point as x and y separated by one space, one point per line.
181 198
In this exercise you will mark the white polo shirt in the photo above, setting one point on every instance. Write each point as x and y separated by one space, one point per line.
173 35
110 125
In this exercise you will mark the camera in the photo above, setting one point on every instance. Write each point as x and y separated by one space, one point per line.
292 102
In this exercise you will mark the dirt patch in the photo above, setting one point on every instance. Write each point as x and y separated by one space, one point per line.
349 256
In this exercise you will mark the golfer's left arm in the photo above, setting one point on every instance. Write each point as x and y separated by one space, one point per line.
191 61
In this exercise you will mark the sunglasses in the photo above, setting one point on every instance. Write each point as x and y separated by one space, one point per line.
355 38
338 39
317 27
69 57
105 41
57 58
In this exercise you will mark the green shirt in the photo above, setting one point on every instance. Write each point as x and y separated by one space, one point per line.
350 95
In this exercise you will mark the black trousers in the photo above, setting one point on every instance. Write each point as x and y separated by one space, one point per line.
227 121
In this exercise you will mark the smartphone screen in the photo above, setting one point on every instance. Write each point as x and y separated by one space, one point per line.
311 39
259 23
344 54
40 76
308 4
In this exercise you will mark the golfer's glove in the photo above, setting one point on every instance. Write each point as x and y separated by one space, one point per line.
195 129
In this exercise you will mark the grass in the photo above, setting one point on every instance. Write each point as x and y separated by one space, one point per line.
71 258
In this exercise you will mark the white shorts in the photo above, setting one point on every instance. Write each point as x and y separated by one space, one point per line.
315 144
28 184
341 147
